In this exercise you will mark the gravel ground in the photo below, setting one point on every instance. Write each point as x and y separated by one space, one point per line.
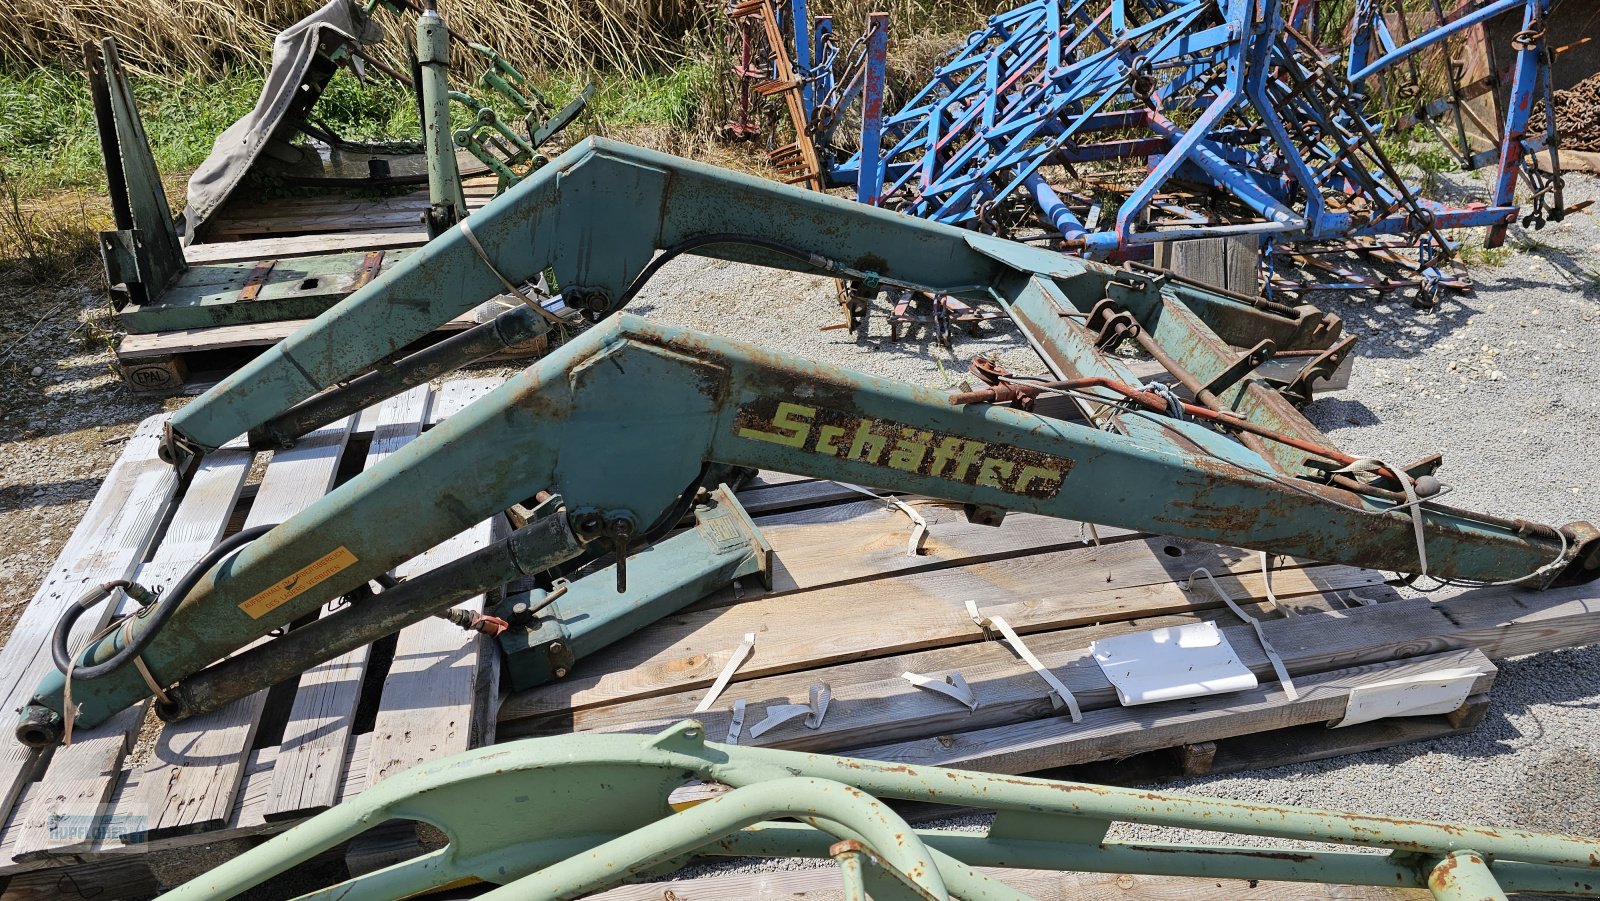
1499 380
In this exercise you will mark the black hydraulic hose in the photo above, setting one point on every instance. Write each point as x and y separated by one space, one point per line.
666 256
165 605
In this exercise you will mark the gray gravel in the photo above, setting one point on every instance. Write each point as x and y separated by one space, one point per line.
786 311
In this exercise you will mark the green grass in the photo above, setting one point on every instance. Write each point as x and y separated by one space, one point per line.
48 141
1473 253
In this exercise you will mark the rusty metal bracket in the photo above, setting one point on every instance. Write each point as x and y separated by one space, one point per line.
1322 367
1248 362
257 278
371 265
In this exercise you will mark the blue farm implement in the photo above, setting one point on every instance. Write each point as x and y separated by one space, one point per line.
1233 118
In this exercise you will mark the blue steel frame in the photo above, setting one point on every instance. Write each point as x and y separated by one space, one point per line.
1227 95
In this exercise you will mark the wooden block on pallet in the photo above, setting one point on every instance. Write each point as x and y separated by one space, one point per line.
154 375
310 765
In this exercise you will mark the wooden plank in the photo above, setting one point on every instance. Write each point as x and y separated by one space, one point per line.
310 765
922 610
194 770
767 478
1228 263
791 495
291 248
246 818
871 701
873 704
1509 622
79 781
109 543
426 710
455 395
1120 731
823 883
225 337
123 877
807 543
313 224
1314 741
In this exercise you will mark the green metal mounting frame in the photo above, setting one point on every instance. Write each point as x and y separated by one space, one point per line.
154 288
568 816
552 629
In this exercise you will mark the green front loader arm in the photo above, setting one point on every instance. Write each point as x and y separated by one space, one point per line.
568 816
599 213
624 418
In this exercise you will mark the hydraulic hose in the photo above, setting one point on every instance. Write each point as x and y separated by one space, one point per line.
830 266
165 604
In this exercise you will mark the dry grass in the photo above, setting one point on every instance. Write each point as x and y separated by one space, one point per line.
48 242
623 36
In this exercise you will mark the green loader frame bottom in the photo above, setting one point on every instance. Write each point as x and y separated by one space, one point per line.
568 816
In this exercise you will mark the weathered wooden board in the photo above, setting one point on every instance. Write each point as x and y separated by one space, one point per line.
81 777
109 543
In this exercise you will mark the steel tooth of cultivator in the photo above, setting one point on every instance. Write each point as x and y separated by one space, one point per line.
617 824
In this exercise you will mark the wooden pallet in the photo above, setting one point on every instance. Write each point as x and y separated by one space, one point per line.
334 213
248 232
849 607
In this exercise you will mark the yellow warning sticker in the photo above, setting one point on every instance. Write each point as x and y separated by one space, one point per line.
307 578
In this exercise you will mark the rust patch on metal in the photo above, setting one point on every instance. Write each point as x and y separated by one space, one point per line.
257 278
371 265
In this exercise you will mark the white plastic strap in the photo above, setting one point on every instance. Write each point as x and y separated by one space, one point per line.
736 725
1266 579
1059 695
1272 654
919 526
472 239
1413 502
778 714
734 662
1094 533
952 686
